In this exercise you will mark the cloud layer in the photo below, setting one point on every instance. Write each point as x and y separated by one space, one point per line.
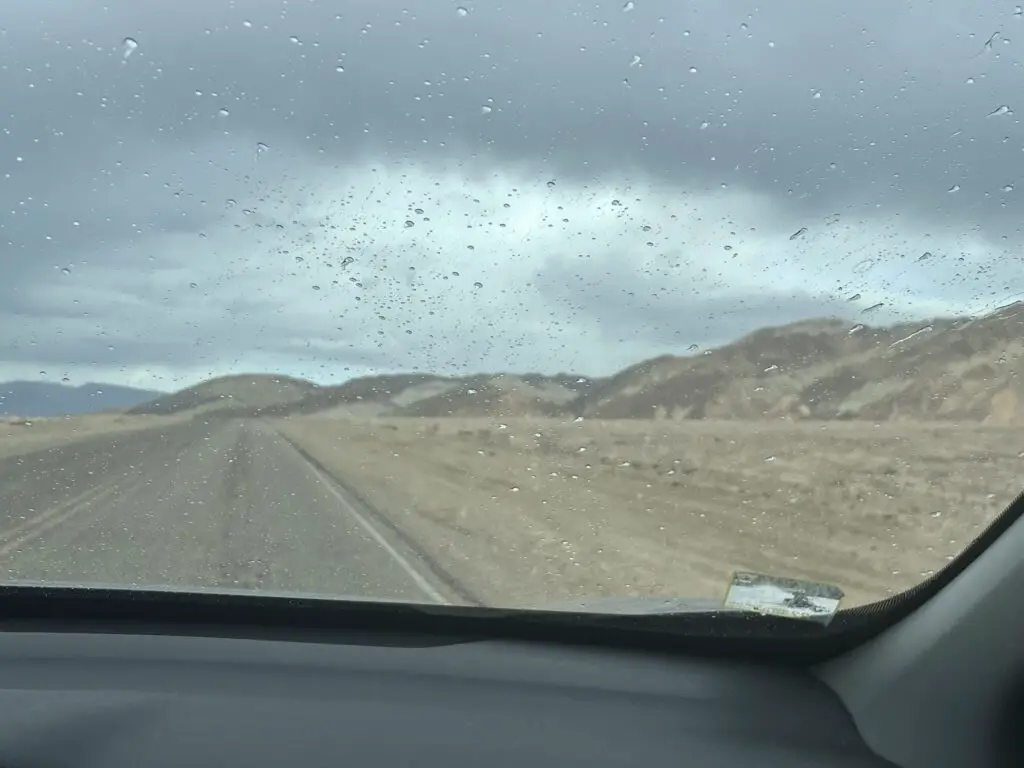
277 186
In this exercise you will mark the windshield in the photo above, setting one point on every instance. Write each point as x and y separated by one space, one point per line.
528 304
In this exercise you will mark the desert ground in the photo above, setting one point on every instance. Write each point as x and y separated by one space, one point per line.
537 511
521 512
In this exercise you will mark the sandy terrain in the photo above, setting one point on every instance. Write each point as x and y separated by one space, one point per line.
23 435
534 511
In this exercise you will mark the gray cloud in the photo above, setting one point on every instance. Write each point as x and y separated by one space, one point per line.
124 171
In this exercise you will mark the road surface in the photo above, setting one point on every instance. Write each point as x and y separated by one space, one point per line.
217 504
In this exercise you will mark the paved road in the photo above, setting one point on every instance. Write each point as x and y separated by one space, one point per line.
223 504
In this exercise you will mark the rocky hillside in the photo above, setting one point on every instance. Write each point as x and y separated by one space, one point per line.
950 369
229 392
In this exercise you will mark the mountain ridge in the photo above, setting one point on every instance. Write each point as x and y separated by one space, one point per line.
819 368
45 399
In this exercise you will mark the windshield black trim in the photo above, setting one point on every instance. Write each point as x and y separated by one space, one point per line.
258 616
865 621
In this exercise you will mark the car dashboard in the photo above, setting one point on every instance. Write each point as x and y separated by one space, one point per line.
134 698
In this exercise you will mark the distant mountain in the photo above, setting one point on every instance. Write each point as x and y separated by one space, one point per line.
41 398
243 392
819 369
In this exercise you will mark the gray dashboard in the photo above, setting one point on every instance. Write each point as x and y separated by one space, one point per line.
115 700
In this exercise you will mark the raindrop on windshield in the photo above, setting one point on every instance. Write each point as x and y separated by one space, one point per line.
628 6
223 112
635 61
486 109
999 111
346 261
478 285
954 188
261 148
462 11
799 233
409 223
130 44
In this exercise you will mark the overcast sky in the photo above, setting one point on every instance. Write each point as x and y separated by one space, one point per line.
328 188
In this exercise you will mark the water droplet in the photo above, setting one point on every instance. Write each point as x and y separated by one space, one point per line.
635 61
628 6
1018 11
999 111
486 109
855 297
230 203
130 44
954 188
65 270
769 458
1008 188
799 233
514 489
856 329
816 95
924 256
246 23
193 285
261 148
462 11
293 39
346 261
478 285
223 112
704 125
339 68
316 287
693 70
692 348
409 223
970 81
873 307
551 184
744 27
418 211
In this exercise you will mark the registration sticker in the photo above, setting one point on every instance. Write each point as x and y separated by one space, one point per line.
778 596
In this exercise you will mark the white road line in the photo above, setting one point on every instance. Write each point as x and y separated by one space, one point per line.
377 536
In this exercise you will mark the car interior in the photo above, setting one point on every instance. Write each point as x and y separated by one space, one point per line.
95 677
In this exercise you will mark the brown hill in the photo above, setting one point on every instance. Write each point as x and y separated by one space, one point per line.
948 368
244 391
501 395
